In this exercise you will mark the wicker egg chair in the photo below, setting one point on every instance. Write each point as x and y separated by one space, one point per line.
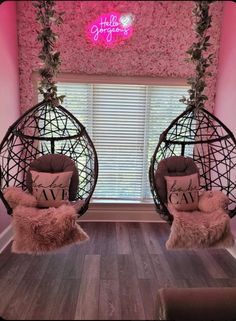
46 129
198 134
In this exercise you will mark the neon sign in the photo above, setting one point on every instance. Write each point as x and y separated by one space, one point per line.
110 29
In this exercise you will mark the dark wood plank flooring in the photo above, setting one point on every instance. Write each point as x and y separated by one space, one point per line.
114 276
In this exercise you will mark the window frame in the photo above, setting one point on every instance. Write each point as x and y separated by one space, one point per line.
102 79
118 206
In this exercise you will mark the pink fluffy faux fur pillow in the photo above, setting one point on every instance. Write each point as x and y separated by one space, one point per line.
211 201
41 230
198 230
16 196
37 231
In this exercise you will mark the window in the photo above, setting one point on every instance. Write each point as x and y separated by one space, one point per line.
124 122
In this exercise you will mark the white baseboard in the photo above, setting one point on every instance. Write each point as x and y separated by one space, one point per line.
121 213
6 237
232 250
101 216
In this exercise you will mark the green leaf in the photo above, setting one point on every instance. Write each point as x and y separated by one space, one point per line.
47 16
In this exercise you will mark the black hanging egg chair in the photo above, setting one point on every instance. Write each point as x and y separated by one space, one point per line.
48 131
198 134
42 130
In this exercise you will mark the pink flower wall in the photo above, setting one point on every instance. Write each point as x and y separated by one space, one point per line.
163 31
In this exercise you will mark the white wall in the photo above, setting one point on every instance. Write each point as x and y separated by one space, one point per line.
225 108
9 73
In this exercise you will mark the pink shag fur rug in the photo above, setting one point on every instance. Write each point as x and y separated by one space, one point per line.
196 230
38 231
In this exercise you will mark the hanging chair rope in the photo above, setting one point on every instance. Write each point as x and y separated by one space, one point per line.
199 57
47 17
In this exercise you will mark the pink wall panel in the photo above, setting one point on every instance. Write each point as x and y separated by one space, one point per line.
226 83
9 73
225 108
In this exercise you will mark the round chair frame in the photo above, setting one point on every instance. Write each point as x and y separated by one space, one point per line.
46 129
200 135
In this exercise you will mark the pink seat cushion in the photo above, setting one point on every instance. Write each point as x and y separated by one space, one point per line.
55 163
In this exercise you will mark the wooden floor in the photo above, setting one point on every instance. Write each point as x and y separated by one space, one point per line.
115 275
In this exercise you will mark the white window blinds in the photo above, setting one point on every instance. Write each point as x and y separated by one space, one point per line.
124 122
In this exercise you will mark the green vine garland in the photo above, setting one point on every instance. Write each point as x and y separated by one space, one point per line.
47 16
198 56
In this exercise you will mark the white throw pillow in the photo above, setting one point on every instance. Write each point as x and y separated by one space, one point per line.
182 191
51 189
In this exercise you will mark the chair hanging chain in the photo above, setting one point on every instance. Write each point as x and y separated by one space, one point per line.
47 17
199 57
